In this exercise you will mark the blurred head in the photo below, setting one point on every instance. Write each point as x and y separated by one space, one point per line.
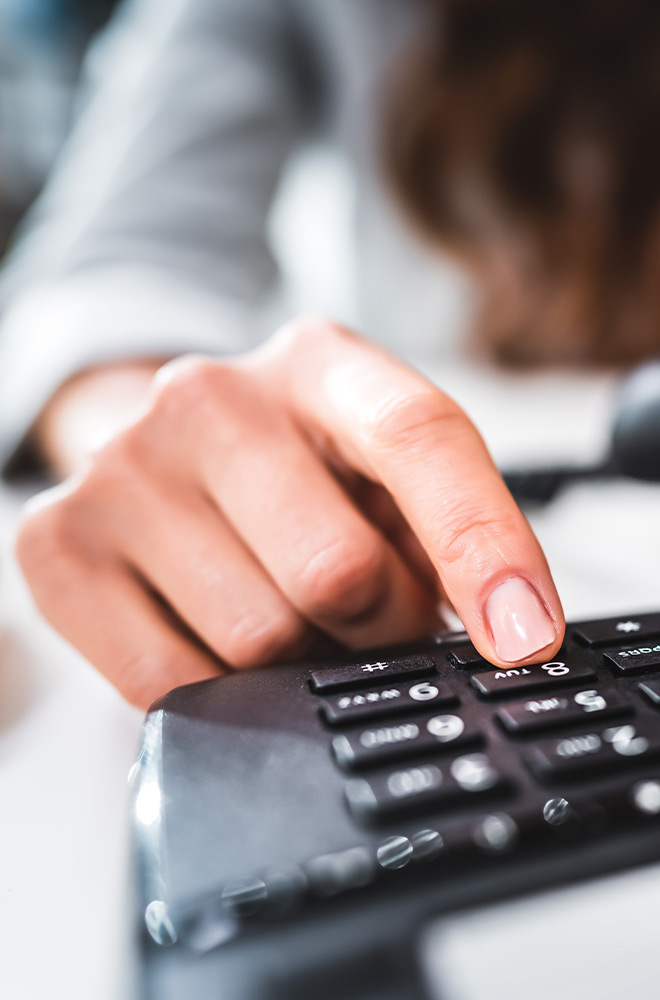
524 136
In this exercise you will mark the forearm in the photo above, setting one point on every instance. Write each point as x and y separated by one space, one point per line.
149 240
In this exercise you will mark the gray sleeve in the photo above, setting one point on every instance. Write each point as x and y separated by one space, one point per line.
149 240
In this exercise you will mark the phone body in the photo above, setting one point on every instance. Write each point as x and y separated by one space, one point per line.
299 833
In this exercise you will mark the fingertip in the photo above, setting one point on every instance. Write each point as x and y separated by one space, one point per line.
520 627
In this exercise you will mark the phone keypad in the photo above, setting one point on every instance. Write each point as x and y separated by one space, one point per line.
430 763
410 746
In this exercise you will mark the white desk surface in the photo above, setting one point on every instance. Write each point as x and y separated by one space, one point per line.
67 740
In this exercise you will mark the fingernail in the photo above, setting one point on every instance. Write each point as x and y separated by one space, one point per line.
519 623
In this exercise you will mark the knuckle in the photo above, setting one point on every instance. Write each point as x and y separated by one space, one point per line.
111 493
121 455
470 535
254 640
46 532
71 526
206 393
188 382
344 581
410 418
306 331
180 369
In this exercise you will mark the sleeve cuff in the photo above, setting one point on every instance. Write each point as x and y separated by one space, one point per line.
51 332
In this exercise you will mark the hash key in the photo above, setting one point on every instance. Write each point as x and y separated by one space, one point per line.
363 674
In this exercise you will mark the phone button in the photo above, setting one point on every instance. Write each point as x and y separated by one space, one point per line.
543 712
466 656
563 670
611 631
365 674
423 786
651 689
634 659
390 700
629 744
403 738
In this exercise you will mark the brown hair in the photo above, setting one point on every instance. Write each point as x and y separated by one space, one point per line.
523 135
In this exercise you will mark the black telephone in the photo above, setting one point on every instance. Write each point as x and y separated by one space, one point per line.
296 826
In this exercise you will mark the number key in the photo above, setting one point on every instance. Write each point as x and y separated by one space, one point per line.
425 786
561 709
499 683
572 756
391 700
397 739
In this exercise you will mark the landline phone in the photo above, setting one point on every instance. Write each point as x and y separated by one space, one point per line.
298 826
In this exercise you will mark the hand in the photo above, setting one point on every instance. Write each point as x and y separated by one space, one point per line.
314 487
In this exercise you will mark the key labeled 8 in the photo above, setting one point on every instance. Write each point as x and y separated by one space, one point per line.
556 668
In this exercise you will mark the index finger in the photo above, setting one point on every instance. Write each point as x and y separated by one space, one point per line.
396 427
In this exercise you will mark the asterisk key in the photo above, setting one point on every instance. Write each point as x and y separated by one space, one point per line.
628 627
